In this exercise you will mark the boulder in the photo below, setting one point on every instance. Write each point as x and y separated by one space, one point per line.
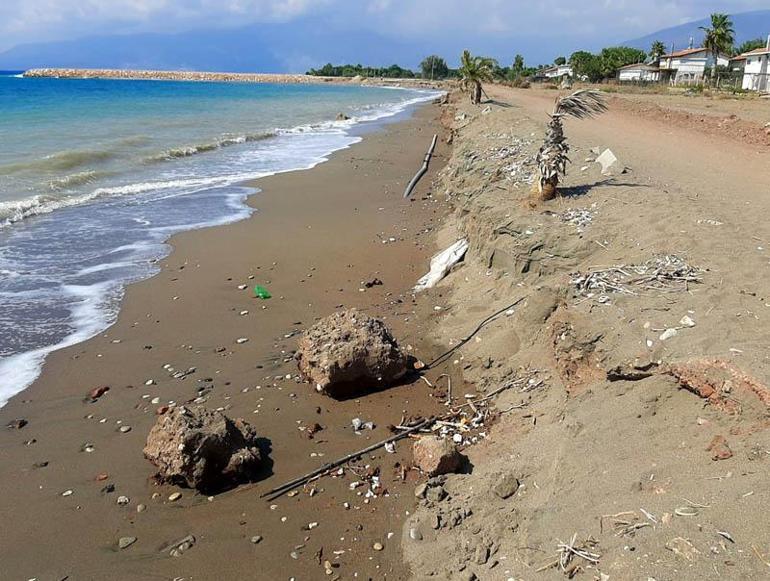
435 456
202 449
348 353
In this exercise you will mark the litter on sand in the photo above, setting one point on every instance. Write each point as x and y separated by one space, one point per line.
441 264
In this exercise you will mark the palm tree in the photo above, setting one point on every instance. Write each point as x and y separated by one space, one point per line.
720 37
475 70
657 50
552 158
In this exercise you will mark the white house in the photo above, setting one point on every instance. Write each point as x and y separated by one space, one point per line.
757 70
689 66
639 73
558 71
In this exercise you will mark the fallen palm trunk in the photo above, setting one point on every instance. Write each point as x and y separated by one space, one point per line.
422 170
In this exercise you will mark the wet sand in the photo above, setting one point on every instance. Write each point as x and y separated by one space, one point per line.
314 238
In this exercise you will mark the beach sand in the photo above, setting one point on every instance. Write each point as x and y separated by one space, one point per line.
315 236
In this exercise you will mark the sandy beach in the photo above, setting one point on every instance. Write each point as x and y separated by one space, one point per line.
316 236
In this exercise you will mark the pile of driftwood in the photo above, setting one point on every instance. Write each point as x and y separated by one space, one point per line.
666 273
460 419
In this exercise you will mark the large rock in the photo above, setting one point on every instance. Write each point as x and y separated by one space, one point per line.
350 352
435 456
202 449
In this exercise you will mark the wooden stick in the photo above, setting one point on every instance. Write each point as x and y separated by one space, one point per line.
422 170
280 490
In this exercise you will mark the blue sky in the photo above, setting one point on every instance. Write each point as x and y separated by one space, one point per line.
541 27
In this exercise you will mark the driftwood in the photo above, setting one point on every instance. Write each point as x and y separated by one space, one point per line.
284 488
423 425
422 170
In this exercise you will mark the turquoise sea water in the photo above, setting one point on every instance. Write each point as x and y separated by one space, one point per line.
95 176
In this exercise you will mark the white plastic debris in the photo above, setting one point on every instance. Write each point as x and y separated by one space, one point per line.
607 160
441 264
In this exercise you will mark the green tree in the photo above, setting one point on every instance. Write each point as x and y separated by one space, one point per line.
560 60
586 65
434 67
517 68
473 71
657 50
719 38
616 57
750 45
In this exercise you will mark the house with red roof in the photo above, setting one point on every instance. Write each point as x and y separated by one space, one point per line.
688 66
756 71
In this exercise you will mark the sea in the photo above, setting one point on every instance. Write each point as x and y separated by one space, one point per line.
96 175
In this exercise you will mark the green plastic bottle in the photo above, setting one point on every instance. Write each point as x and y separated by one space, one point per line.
261 292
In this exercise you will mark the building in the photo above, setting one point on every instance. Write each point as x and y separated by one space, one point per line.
757 69
688 67
558 72
639 73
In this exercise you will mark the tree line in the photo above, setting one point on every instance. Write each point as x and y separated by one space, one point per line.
719 38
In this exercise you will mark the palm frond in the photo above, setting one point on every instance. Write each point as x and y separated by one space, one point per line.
581 104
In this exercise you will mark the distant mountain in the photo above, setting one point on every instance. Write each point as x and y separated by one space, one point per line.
259 47
748 26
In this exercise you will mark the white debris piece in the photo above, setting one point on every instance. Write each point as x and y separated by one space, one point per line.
441 264
607 160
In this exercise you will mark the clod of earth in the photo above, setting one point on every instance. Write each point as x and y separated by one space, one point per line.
435 456
202 449
719 449
350 352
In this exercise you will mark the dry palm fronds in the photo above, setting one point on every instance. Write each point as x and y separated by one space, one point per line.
667 273
553 157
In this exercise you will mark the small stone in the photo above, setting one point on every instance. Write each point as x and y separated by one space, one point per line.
256 539
420 490
435 456
415 534
686 321
123 500
125 542
141 507
67 493
719 449
242 340
174 496
506 486
377 546
125 429
668 334
16 424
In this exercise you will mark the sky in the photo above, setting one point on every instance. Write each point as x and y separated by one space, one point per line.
536 25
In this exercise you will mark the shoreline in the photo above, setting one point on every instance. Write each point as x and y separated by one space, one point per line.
354 130
212 76
188 316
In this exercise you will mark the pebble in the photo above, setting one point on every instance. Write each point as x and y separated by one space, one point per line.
174 496
123 500
242 340
668 334
125 429
67 493
377 546
141 508
256 539
125 542
415 534
150 382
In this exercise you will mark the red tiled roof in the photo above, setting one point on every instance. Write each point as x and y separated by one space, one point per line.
763 50
685 52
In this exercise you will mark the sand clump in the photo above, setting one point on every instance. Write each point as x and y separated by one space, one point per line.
202 449
350 352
